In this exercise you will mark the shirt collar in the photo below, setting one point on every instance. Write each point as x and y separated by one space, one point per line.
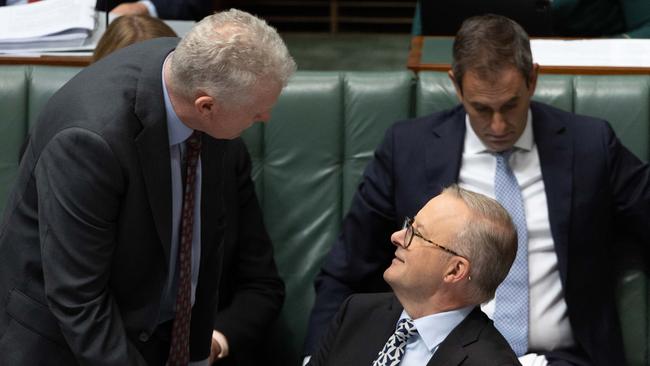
433 329
176 129
474 145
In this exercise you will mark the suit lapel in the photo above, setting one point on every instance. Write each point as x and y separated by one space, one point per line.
376 328
451 351
383 326
153 147
443 154
556 161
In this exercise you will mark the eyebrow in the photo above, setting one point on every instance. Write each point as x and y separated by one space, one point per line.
481 105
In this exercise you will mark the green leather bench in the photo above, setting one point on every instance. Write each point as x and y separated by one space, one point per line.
309 159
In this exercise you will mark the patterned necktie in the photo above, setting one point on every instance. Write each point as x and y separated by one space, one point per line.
179 350
511 313
393 351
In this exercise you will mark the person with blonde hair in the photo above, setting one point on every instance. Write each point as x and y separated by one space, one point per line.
129 29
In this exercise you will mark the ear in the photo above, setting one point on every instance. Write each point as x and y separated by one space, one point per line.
205 105
532 79
457 270
459 93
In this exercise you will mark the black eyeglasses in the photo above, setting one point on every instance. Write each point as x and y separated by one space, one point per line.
411 232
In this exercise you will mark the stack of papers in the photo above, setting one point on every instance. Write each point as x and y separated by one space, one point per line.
592 52
46 26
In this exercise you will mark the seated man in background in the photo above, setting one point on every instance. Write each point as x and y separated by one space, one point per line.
572 189
449 259
129 29
163 9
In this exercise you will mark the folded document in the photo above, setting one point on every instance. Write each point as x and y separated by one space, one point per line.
44 25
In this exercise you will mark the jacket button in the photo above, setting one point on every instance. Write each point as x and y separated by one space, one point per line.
143 337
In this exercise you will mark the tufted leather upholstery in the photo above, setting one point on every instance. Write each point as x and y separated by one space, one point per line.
308 161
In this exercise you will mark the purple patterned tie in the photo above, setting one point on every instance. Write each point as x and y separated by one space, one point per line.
179 350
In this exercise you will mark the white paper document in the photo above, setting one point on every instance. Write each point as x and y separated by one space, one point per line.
592 52
43 24
65 44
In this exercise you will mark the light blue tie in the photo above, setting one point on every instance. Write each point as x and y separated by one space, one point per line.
511 312
395 347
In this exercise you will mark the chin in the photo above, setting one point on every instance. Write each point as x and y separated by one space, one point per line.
233 135
389 275
224 136
500 147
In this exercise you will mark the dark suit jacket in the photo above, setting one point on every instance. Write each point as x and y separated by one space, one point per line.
170 9
251 292
596 190
366 321
85 240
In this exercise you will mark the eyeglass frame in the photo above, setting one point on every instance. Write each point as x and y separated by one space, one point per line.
408 225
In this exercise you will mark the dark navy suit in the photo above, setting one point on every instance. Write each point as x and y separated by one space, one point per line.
366 321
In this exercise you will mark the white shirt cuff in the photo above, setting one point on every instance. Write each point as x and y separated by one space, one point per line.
533 359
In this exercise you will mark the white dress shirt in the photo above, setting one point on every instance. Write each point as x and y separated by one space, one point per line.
549 326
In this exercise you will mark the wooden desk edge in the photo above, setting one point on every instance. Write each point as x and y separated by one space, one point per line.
573 70
415 53
415 56
47 60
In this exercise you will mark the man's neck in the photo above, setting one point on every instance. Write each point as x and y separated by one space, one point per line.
180 105
418 307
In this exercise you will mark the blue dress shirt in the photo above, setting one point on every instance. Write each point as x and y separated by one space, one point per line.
178 133
432 330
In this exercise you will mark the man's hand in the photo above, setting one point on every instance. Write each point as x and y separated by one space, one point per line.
130 9
215 350
219 347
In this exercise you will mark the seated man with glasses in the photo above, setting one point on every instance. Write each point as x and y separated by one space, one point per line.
449 259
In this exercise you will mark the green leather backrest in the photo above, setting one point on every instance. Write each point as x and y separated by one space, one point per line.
308 160
13 125
43 81
24 90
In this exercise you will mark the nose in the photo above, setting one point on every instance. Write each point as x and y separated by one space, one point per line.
498 124
398 238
